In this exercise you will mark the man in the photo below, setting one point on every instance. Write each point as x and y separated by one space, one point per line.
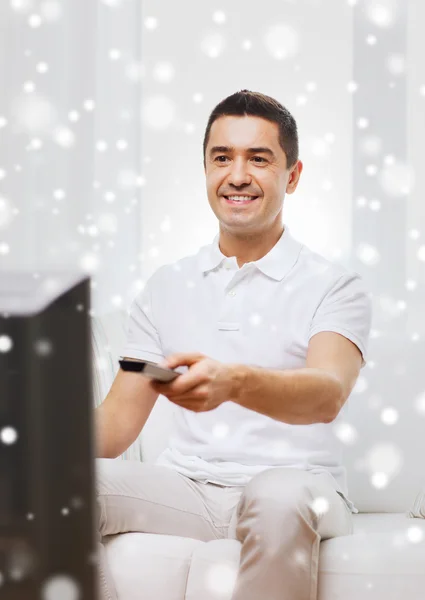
273 337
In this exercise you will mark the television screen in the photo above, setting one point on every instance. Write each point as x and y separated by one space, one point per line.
47 503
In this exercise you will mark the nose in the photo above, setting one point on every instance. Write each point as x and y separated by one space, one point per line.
239 174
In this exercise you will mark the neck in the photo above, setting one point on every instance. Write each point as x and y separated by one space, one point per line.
248 247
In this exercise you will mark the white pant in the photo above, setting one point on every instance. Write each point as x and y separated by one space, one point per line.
274 517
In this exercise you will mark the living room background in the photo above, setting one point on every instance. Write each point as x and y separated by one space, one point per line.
101 157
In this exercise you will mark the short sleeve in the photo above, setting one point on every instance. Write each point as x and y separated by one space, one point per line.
346 309
143 341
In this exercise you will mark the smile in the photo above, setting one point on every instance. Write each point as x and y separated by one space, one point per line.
240 200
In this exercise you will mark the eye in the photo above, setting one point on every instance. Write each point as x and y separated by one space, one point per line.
259 157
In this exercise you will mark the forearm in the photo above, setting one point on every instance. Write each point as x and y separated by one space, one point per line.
295 396
113 433
104 435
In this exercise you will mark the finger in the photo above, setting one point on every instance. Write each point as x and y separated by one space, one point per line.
180 359
199 394
194 405
180 386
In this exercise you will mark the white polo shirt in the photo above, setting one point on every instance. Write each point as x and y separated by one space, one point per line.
261 314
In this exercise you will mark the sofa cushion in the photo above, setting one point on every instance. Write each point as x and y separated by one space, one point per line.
146 565
383 558
213 570
380 543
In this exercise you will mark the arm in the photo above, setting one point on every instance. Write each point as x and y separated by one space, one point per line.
314 394
123 414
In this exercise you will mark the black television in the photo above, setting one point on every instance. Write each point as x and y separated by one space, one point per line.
47 502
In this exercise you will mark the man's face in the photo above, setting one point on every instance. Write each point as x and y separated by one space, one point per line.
232 168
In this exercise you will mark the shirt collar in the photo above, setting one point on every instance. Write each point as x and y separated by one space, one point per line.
276 263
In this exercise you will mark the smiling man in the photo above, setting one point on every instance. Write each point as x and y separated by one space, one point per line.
271 337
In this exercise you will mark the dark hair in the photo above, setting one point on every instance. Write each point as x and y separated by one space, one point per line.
256 104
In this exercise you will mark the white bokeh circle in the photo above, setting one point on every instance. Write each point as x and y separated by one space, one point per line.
90 263
34 114
107 223
60 587
213 44
43 347
396 64
385 458
164 72
158 112
345 432
8 435
112 3
282 41
319 147
221 579
320 505
51 10
382 13
64 137
371 145
415 534
368 254
22 5
397 178
420 404
389 415
219 17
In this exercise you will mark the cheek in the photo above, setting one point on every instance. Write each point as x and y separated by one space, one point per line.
213 183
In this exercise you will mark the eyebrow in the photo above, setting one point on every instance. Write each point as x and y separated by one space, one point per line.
258 150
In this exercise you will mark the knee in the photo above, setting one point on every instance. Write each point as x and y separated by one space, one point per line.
281 491
280 483
276 508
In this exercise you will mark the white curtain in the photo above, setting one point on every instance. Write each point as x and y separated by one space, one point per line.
70 142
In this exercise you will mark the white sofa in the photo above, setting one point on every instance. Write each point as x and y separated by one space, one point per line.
384 558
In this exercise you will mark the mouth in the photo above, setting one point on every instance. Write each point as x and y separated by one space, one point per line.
240 200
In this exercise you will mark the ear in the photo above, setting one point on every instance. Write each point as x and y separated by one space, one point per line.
294 177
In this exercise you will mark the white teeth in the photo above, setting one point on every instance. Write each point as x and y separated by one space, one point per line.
240 198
